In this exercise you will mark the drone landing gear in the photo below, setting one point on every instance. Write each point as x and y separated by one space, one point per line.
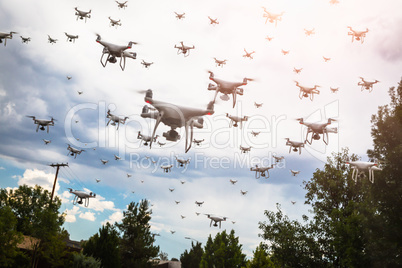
224 97
171 135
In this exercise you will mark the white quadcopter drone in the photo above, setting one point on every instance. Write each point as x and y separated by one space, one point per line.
199 203
294 172
74 151
359 167
366 84
70 37
42 123
305 92
115 119
80 196
146 64
248 54
271 17
146 139
5 36
220 62
296 145
227 87
180 16
215 220
234 120
316 129
175 116
278 158
198 142
82 14
115 51
114 23
25 40
167 168
357 35
261 171
51 40
233 182
182 162
183 49
122 5
213 21
245 149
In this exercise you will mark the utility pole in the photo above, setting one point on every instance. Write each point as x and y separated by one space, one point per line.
55 178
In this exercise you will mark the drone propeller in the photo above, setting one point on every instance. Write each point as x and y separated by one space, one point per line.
31 116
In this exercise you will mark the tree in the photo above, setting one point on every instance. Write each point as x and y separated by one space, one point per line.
104 246
80 260
38 217
261 258
386 224
223 251
9 237
193 257
136 247
163 256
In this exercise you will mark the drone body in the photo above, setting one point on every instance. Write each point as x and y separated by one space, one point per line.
255 134
305 92
115 119
146 64
326 59
278 158
294 172
46 141
114 23
25 40
180 16
145 138
199 203
117 157
366 85
51 40
74 151
271 17
104 162
42 123
285 52
245 149
122 5
296 145
297 70
334 90
258 105
220 62
316 129
80 196
82 14
171 189
309 32
261 171
183 49
213 21
182 162
226 87
215 220
5 36
235 120
198 142
357 35
359 167
248 54
233 182
175 116
70 37
243 192
115 51
167 168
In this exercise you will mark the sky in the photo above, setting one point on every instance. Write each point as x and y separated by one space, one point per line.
33 81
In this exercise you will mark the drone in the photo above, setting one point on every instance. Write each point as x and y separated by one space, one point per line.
198 142
180 16
172 231
245 149
234 120
74 151
114 22
269 38
309 32
366 84
115 119
296 145
80 195
278 158
306 91
104 162
243 192
326 59
182 217
258 105
167 168
213 21
333 2
255 134
5 36
285 52
97 180
183 49
115 51
182 182
25 39
297 70
271 17
146 64
176 117
69 78
198 213
220 62
82 14
71 38
261 171
359 167
357 35
177 202
129 175
199 203
334 90
233 181
293 202
215 220
171 189
46 141
227 87
42 123
318 128
294 172
182 162
80 92
51 40
117 157
248 54
122 5
146 138
161 143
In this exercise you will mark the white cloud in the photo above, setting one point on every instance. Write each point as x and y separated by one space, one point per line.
2 168
90 216
32 177
115 217
70 214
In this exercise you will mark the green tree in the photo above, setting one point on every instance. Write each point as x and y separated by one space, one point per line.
104 246
223 251
385 225
39 218
80 260
261 258
9 237
136 245
192 258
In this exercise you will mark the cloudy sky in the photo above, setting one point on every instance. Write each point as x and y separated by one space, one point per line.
33 82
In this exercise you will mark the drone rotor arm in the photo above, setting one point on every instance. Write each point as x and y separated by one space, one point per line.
158 120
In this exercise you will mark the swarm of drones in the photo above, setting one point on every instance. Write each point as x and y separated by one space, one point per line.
176 116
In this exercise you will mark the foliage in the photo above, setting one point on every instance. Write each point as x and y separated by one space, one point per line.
104 246
223 251
136 245
193 257
9 237
163 256
80 260
261 258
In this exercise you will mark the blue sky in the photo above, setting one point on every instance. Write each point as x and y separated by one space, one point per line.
33 82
